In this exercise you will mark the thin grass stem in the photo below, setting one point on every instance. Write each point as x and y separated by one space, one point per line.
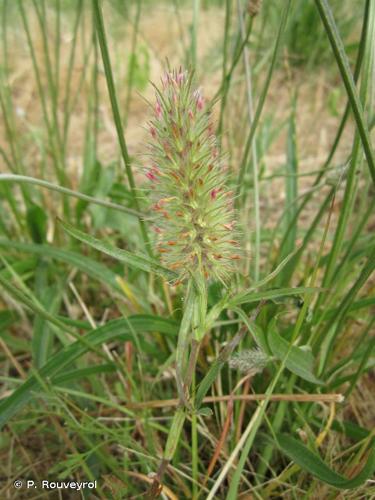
116 115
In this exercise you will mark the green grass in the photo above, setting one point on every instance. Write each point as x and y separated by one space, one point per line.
90 326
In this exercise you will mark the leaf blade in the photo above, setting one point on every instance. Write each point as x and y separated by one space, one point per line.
140 262
116 329
249 296
313 464
297 360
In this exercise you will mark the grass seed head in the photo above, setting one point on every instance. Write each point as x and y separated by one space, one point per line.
192 207
250 361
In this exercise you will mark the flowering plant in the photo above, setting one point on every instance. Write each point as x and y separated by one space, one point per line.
194 218
194 210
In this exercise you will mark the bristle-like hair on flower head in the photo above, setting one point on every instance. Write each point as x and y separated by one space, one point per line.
194 211
250 361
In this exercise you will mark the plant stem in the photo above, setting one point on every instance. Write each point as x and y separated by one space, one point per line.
224 74
24 179
347 78
262 99
254 154
248 398
116 115
194 312
133 58
194 446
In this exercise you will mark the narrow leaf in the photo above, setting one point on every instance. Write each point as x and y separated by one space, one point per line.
298 361
120 329
89 266
23 179
347 78
313 464
139 262
249 296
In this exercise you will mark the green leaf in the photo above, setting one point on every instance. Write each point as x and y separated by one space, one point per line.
205 411
14 343
139 67
139 262
24 268
42 336
219 362
350 429
347 78
255 330
79 373
299 360
23 179
103 186
7 318
37 223
249 296
102 39
272 275
120 329
291 194
364 303
90 174
89 266
26 298
313 464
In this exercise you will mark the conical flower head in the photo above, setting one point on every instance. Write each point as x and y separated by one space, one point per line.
193 209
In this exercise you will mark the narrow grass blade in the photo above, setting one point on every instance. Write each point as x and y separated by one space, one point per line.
216 367
276 271
346 302
89 266
298 360
314 465
79 373
116 113
346 75
114 330
249 296
31 303
138 262
21 179
291 194
262 98
50 297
